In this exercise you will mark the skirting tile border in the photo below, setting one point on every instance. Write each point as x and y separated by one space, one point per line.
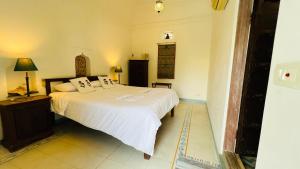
184 161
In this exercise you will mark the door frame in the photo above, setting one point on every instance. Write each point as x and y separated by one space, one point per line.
237 74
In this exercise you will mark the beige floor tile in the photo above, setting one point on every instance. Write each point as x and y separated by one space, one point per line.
109 164
3 151
7 166
156 163
55 146
122 154
103 146
37 160
28 159
137 160
165 152
84 158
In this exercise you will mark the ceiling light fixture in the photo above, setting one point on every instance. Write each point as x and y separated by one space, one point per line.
159 6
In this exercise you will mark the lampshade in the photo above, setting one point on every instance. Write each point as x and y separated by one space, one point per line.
118 69
159 6
25 64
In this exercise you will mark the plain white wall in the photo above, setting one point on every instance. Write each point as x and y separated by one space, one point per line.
280 137
3 85
54 32
222 48
190 23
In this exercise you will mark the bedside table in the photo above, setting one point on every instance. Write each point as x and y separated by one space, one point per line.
26 120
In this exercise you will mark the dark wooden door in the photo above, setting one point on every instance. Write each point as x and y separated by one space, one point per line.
262 32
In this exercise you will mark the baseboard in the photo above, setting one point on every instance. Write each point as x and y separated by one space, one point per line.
192 100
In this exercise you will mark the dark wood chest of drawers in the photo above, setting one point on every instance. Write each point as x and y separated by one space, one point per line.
138 73
25 120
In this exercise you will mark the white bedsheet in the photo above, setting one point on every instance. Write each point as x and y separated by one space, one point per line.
130 114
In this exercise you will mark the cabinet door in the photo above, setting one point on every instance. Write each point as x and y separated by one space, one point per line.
23 123
138 73
41 117
32 119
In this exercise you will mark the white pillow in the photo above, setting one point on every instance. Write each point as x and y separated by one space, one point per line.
106 82
96 83
65 87
83 85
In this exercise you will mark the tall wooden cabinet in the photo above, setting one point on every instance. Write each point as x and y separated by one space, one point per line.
138 73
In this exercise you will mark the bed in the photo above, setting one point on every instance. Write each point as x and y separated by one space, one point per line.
130 114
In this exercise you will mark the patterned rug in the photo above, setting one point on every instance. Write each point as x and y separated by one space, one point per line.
184 161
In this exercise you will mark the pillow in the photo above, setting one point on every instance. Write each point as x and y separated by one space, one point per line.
96 83
65 87
106 82
83 85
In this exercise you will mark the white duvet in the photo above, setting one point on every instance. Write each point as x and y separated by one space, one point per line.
130 114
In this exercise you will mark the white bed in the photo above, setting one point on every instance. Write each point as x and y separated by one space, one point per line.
130 114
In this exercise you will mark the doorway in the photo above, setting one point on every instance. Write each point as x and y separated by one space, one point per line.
259 55
250 75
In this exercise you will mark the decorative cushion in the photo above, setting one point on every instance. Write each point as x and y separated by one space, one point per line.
96 83
65 87
106 82
83 85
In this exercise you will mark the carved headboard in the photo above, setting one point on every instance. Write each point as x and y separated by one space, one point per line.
64 80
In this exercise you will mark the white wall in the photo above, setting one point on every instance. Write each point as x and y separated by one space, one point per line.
190 22
280 139
54 32
222 48
3 84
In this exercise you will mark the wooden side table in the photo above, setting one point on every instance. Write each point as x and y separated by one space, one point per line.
26 120
169 85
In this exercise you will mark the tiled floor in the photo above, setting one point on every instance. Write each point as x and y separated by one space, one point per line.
77 147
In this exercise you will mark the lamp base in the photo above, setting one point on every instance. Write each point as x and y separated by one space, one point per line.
27 85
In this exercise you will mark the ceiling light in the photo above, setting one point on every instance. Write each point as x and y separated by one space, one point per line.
159 6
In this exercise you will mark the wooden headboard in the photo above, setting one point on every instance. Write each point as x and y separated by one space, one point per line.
64 80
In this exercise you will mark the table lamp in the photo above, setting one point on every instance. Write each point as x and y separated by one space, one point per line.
26 65
119 70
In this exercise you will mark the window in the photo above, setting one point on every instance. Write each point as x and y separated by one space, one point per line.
166 61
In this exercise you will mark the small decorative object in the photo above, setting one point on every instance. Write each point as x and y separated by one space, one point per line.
168 35
219 4
119 71
25 64
82 65
146 56
159 6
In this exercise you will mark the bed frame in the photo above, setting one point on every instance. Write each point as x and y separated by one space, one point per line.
91 78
